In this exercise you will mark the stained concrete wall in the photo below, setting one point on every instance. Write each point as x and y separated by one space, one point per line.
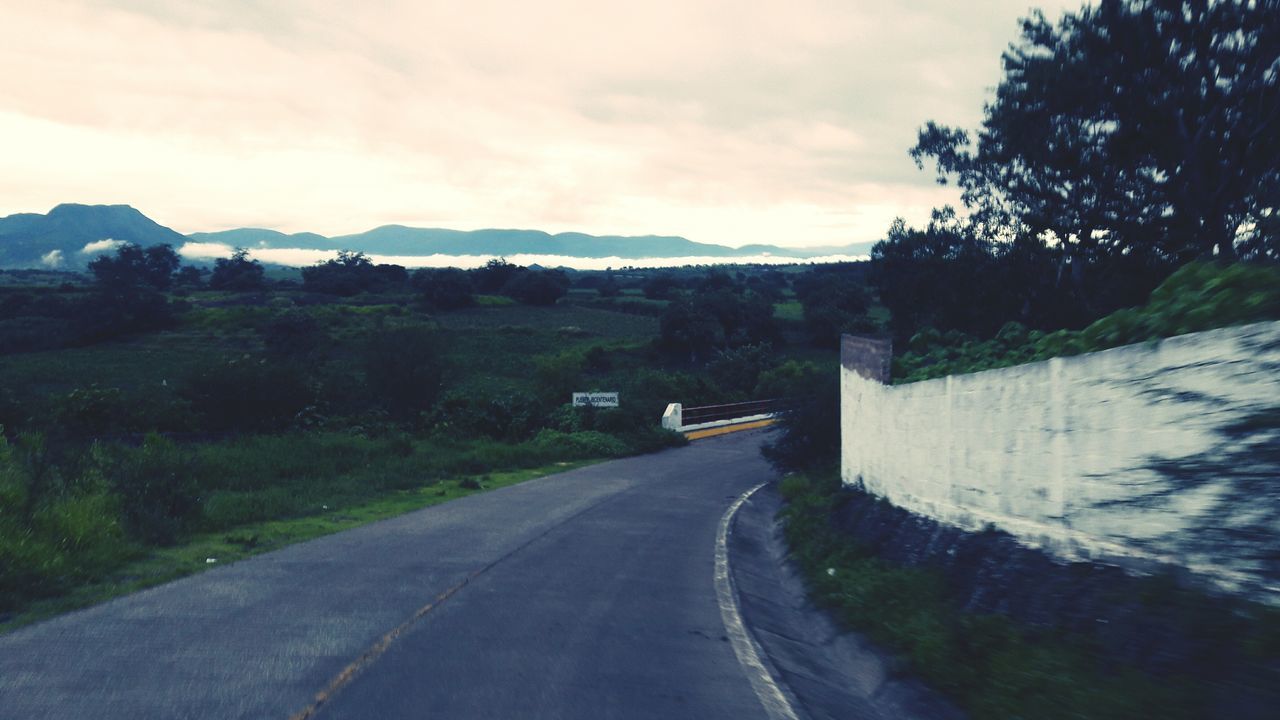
1165 453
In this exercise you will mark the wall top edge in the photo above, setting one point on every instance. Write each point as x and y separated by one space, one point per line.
1238 332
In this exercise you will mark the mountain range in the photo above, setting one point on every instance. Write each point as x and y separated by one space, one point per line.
70 235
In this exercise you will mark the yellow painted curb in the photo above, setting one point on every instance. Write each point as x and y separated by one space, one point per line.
725 430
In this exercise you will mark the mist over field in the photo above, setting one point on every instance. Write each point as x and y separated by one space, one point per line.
302 257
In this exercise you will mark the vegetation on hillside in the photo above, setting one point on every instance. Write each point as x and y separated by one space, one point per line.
1200 296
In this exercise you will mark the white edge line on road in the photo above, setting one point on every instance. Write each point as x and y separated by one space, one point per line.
774 699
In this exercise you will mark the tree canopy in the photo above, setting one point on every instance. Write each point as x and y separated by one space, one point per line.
133 266
1132 126
237 272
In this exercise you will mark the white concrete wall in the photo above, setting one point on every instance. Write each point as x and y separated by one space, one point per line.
1124 456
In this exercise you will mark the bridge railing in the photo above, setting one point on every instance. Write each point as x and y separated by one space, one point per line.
684 419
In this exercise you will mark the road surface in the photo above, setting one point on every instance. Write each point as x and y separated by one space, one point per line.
587 594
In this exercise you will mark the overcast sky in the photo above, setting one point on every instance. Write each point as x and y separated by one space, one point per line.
725 122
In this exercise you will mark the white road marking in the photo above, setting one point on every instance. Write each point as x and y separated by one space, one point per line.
774 699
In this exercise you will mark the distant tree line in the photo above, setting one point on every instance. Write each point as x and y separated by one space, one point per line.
136 289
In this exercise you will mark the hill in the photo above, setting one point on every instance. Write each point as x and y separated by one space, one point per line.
58 239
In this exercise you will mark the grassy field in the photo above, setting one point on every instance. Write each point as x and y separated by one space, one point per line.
790 310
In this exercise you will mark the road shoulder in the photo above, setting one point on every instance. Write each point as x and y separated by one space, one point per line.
830 672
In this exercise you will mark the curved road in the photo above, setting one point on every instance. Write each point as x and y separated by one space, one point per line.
587 594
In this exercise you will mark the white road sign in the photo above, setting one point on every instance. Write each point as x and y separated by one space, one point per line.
595 399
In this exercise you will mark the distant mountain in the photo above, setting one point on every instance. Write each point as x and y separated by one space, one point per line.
261 237
70 236
401 240
58 239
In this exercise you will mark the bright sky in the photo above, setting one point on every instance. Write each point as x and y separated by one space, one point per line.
727 122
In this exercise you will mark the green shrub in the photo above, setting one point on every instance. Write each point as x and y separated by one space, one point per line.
737 370
158 489
578 445
559 376
513 416
810 436
791 379
1200 296
65 538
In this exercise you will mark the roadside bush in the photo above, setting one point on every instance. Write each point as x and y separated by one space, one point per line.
65 538
810 437
652 438
158 489
578 445
511 417
619 420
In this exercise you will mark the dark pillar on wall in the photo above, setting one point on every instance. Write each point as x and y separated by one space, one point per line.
870 357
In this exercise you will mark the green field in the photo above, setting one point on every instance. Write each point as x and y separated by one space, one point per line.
790 310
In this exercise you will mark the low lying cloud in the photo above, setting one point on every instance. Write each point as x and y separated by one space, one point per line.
303 257
53 259
98 246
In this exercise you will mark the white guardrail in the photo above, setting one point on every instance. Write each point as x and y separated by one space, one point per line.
682 419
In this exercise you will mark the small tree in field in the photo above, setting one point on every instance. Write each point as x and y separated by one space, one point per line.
237 273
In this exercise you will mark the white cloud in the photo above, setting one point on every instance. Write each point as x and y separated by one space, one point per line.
52 259
98 246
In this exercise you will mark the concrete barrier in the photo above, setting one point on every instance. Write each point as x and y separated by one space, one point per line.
1164 453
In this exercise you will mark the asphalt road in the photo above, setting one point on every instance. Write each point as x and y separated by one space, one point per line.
588 594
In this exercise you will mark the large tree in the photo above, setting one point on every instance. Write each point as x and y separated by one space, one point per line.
1131 127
